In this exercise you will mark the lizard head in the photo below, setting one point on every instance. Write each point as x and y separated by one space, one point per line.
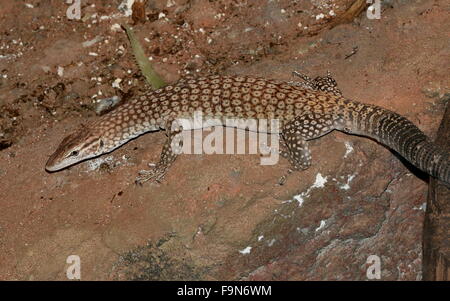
78 146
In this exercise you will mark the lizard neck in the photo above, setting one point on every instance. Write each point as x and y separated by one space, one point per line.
124 124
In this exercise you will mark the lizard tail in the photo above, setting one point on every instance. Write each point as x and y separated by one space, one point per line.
398 133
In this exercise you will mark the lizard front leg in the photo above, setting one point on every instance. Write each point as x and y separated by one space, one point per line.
172 147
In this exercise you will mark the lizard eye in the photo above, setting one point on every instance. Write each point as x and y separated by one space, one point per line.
74 153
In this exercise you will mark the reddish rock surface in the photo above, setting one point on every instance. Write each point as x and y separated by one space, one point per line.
215 216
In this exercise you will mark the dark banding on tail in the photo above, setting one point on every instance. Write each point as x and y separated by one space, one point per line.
398 133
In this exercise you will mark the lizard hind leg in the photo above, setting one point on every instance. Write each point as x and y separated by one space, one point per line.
295 149
295 135
320 83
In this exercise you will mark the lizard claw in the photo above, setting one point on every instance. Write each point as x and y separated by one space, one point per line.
156 174
282 180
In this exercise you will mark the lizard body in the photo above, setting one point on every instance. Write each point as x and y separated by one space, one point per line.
305 111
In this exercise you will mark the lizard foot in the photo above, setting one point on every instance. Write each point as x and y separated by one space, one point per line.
156 174
282 180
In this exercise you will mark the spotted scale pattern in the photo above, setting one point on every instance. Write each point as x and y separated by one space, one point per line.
220 97
306 111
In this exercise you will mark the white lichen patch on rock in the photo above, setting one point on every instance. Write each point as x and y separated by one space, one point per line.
271 242
348 149
299 199
246 250
321 226
422 207
346 186
318 183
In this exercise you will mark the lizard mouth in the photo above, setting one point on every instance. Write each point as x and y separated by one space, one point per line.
50 166
54 163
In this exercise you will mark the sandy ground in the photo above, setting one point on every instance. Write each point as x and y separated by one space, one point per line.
215 217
